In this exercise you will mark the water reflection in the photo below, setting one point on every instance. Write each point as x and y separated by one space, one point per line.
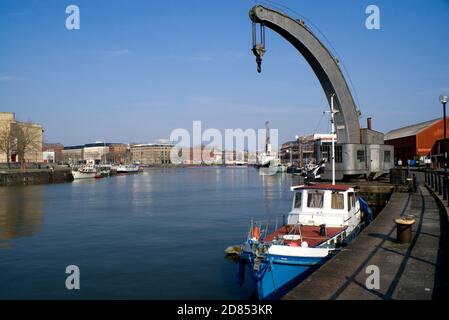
21 211
132 233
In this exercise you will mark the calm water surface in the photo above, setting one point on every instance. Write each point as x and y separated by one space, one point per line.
156 235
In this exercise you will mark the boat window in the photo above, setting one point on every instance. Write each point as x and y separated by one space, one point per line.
298 197
338 200
315 199
351 200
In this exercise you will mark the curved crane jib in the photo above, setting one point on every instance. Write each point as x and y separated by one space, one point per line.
323 64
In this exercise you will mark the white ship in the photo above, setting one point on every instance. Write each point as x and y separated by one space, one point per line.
128 168
85 172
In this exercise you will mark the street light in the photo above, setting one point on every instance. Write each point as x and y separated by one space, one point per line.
444 99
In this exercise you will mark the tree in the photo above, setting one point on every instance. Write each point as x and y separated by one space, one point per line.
28 140
7 140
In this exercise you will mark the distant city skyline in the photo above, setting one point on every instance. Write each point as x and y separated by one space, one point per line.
137 70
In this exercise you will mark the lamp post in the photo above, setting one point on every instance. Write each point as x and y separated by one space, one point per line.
444 99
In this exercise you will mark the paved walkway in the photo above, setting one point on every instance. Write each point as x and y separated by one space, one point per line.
415 271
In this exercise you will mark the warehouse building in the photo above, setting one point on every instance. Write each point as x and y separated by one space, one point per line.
418 141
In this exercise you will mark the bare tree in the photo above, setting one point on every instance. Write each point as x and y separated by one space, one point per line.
7 140
28 140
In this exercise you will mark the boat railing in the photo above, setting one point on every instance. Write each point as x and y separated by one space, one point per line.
260 229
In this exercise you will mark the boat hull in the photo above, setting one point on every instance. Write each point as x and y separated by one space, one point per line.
83 175
128 169
278 274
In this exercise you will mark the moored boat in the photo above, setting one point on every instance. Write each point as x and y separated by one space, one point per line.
85 172
322 219
128 168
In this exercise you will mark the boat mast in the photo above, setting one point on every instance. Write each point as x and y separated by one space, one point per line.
333 137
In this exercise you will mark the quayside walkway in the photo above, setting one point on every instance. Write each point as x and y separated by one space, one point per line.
418 270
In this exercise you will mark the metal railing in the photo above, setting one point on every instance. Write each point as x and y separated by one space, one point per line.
438 182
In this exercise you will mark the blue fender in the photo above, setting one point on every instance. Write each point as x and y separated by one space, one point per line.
368 217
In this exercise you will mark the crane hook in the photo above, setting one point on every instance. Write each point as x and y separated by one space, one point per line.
258 52
259 48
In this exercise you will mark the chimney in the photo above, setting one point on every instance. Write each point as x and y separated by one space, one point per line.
368 123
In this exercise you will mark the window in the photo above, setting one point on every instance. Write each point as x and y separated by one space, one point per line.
351 200
360 155
387 156
298 197
339 154
325 152
337 200
315 199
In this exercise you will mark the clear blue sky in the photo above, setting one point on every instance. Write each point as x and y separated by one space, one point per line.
138 69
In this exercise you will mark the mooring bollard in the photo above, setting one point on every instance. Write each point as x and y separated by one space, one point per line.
404 229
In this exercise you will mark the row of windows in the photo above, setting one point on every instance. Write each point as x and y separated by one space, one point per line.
326 154
316 200
361 155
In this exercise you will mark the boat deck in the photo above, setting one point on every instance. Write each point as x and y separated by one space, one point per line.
310 234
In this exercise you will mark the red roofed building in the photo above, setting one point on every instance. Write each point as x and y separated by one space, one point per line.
418 140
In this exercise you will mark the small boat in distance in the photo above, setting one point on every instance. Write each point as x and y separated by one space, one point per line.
128 168
85 172
104 171
237 164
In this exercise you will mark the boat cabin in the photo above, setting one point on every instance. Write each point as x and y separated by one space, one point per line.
329 205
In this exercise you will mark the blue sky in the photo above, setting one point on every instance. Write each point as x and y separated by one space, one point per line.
136 70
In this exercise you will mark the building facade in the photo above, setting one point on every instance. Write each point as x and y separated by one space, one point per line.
151 153
73 154
52 152
307 149
21 139
118 153
98 152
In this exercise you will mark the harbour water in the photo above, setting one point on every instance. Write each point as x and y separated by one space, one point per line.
155 235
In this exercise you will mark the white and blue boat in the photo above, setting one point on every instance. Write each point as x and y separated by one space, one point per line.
322 219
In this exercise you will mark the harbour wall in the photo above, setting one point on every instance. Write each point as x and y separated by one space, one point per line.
34 176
